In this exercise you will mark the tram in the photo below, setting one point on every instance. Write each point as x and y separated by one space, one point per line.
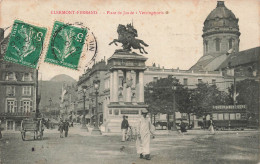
229 117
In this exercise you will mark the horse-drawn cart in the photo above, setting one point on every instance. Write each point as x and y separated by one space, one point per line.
33 126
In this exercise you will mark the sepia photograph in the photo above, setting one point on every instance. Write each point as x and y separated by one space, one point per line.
129 82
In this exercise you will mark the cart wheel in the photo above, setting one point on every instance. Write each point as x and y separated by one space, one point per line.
23 136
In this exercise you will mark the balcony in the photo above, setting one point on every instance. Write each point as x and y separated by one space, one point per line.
16 115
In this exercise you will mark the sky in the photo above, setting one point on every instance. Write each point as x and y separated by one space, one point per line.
174 39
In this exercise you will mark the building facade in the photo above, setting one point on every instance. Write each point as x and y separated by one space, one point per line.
98 71
18 89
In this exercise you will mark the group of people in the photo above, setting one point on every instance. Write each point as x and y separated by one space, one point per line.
144 131
63 126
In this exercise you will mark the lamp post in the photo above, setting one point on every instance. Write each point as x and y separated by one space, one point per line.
174 109
152 112
84 91
50 101
96 130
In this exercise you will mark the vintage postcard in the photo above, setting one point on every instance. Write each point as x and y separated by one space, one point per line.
129 82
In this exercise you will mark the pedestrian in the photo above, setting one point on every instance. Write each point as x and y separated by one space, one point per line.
183 127
144 130
61 128
1 130
124 128
211 126
66 127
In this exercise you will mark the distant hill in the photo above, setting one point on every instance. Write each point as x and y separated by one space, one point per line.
63 78
52 89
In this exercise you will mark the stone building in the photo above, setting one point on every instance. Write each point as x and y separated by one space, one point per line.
98 71
18 89
189 78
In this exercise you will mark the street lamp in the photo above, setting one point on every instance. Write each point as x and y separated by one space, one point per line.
96 130
174 108
50 101
152 112
84 91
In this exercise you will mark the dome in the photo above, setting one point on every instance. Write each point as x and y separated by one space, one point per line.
221 18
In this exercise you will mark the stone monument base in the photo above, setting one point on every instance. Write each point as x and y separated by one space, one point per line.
116 113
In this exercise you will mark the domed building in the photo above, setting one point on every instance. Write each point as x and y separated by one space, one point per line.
220 37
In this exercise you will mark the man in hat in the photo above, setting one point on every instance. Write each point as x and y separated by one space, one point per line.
61 128
124 128
144 129
66 127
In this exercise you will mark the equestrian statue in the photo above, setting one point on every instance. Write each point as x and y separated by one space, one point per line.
127 36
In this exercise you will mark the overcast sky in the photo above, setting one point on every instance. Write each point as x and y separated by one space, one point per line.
174 39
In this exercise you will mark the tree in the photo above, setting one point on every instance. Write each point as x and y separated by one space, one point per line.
167 96
248 94
205 96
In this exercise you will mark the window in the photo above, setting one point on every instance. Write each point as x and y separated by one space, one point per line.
206 46
10 125
230 43
11 106
27 90
155 79
185 81
10 91
27 77
214 81
217 41
199 81
215 116
116 112
232 116
25 106
110 111
220 116
226 116
238 116
10 76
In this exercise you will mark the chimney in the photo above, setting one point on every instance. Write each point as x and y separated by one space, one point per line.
220 4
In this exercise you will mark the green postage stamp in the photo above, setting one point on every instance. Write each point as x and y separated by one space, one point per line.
65 45
25 44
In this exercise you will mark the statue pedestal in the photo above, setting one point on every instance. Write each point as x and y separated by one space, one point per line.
130 101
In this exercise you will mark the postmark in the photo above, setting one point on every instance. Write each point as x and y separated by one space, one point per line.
66 45
92 49
25 44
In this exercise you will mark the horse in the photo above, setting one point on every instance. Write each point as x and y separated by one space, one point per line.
127 38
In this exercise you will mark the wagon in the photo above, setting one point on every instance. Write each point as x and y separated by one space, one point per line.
32 126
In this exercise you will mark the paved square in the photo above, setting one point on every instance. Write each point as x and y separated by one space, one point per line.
194 147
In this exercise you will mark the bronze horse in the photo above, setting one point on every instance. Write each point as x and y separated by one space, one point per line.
126 36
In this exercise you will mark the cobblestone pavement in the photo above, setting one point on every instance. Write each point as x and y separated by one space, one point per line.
196 146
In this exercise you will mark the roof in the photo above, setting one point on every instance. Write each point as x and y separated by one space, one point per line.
221 11
240 58
221 17
204 61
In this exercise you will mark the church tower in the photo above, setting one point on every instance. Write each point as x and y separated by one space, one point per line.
220 31
220 37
